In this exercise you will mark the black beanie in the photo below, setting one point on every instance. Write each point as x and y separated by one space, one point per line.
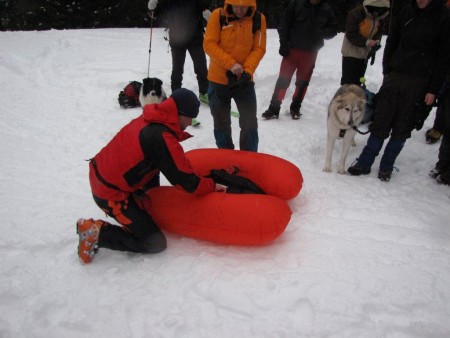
187 102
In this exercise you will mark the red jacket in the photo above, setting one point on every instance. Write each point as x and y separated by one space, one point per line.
140 150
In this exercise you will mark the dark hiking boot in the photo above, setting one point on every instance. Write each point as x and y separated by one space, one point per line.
432 136
434 173
294 109
272 112
356 170
295 114
441 180
385 175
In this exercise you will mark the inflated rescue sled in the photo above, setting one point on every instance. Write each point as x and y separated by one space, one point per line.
238 219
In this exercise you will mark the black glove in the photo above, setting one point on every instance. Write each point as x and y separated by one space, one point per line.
422 112
235 85
372 54
284 50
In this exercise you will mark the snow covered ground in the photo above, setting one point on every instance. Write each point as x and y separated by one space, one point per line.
360 257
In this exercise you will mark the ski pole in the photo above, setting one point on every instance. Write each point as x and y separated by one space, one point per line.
150 45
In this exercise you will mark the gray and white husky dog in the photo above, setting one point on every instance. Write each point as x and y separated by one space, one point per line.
345 111
151 91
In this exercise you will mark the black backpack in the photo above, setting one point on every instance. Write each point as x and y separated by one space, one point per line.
236 184
129 96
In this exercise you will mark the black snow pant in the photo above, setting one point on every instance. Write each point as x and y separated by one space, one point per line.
397 103
138 233
200 67
353 70
443 163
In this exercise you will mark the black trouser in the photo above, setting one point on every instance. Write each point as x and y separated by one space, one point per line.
443 163
138 233
353 70
200 68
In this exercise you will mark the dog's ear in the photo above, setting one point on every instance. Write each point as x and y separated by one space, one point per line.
158 81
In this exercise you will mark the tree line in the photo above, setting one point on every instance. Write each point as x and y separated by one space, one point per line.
18 15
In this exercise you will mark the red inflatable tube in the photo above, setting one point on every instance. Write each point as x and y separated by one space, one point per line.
246 219
274 175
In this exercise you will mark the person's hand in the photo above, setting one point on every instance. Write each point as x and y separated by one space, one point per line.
220 188
429 99
284 50
152 5
372 43
422 110
237 69
206 14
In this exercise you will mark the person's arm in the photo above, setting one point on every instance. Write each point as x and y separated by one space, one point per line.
354 18
258 49
329 30
211 43
286 24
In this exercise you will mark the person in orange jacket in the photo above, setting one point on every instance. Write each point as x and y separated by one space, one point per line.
129 165
235 41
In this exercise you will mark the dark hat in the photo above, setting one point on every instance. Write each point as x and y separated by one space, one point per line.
187 102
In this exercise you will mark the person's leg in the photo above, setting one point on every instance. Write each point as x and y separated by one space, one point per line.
353 70
365 160
220 105
246 104
305 67
200 67
390 154
178 60
138 233
287 69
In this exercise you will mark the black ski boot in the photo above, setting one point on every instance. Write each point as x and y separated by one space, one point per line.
295 109
272 112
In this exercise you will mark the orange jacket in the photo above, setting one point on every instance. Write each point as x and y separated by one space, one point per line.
234 42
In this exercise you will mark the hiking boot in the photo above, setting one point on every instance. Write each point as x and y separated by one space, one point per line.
432 136
272 112
203 98
385 175
295 114
356 170
294 108
434 172
441 180
88 231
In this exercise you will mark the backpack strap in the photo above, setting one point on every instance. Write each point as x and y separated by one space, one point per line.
256 21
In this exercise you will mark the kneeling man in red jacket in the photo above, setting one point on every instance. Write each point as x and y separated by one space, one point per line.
129 165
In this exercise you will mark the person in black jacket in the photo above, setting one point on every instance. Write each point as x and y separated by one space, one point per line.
304 26
185 20
415 64
441 171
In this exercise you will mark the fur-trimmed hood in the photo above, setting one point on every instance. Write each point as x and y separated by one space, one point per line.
229 12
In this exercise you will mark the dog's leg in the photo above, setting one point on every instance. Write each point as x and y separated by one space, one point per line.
332 135
346 142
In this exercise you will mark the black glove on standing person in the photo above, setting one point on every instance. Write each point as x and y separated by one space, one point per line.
284 50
